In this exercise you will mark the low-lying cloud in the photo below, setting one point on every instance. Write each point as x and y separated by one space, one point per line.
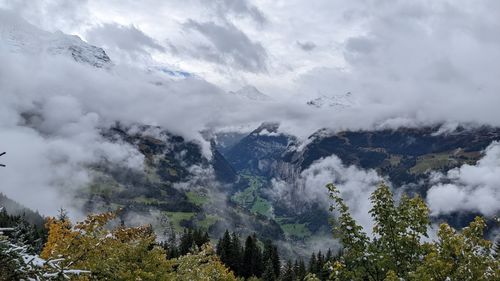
355 186
469 188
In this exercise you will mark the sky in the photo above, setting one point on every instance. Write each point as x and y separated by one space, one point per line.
297 49
405 63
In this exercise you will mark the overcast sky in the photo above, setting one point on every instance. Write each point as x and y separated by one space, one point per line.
295 47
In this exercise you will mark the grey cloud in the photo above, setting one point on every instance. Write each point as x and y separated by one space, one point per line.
360 45
306 46
127 38
229 45
240 8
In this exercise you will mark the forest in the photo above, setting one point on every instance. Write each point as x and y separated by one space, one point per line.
102 247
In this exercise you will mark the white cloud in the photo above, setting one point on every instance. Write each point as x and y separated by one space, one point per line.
354 184
469 188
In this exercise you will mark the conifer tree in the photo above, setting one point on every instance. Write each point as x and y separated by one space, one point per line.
271 254
236 254
313 264
186 242
224 249
301 270
268 274
289 272
252 258
11 262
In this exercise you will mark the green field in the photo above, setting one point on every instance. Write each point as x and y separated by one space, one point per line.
208 221
250 199
177 217
436 161
197 198
298 230
262 206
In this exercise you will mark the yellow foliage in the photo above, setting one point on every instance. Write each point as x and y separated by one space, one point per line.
121 253
204 265
125 253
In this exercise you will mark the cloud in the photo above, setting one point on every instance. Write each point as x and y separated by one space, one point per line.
228 45
238 8
306 46
354 184
126 38
52 15
470 188
408 64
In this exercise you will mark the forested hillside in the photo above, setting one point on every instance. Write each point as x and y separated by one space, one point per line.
102 248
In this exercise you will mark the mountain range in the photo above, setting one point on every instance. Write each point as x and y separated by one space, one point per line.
234 187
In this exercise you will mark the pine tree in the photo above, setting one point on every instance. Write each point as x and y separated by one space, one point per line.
224 249
186 242
236 254
319 264
252 258
289 272
11 262
200 237
328 256
301 270
268 274
271 254
172 248
313 264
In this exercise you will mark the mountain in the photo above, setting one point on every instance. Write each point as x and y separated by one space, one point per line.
337 101
15 209
405 156
17 35
178 185
251 93
257 152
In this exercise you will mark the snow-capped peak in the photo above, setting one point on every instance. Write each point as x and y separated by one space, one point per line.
19 36
337 101
252 93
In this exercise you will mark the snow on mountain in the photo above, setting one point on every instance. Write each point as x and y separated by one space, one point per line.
252 93
337 101
19 36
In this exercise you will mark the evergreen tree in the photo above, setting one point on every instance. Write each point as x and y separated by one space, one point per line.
186 242
289 272
224 248
328 256
236 254
200 237
320 262
268 274
313 264
11 262
172 249
301 270
252 258
271 254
